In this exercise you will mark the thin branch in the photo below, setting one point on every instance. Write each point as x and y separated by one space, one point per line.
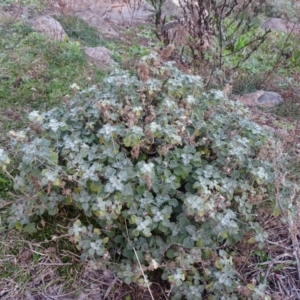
137 257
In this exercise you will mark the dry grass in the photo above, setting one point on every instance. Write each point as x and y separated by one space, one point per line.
275 265
40 270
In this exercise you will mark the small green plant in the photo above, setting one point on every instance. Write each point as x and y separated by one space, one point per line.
5 185
161 172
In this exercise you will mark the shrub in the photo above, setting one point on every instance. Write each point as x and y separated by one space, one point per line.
221 33
162 169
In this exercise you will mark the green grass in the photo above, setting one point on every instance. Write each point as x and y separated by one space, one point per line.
79 30
124 53
38 77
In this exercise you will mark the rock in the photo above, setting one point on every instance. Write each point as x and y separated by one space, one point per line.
170 25
269 99
91 11
49 27
98 23
100 56
261 98
171 8
71 7
132 12
279 24
103 15
9 112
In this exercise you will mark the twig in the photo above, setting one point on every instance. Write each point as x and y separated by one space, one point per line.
56 264
110 287
278 58
145 278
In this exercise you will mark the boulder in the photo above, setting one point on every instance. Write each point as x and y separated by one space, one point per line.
71 7
261 99
49 27
98 23
171 8
100 56
106 15
130 12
